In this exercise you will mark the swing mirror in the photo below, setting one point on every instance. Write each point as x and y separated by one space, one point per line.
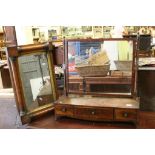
100 66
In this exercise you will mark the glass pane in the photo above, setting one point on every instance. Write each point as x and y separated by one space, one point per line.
36 82
103 67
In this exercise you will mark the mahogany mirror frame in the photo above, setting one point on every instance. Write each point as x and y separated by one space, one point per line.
134 67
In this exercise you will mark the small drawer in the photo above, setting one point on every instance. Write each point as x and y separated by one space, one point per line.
125 114
65 110
98 114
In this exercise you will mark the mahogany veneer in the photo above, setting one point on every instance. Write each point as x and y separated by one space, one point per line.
97 108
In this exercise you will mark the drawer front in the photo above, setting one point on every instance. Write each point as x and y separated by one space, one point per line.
125 114
64 110
93 113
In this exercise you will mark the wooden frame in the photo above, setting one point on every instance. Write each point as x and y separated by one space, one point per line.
134 68
15 52
81 103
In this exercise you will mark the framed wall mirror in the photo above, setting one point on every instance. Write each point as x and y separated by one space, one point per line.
34 79
102 67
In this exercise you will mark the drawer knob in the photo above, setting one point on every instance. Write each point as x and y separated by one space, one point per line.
93 112
64 109
125 114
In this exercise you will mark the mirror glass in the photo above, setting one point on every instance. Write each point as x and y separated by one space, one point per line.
36 82
100 66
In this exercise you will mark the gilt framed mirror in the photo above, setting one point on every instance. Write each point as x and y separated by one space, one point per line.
33 79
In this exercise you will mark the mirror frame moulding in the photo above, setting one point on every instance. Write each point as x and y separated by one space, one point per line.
13 53
134 66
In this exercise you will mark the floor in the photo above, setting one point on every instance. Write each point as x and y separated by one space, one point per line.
9 118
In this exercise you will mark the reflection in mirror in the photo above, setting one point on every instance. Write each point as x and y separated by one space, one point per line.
104 66
36 82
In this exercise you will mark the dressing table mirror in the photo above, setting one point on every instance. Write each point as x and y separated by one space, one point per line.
100 80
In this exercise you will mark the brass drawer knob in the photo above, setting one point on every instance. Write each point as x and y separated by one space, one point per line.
64 109
93 112
125 114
